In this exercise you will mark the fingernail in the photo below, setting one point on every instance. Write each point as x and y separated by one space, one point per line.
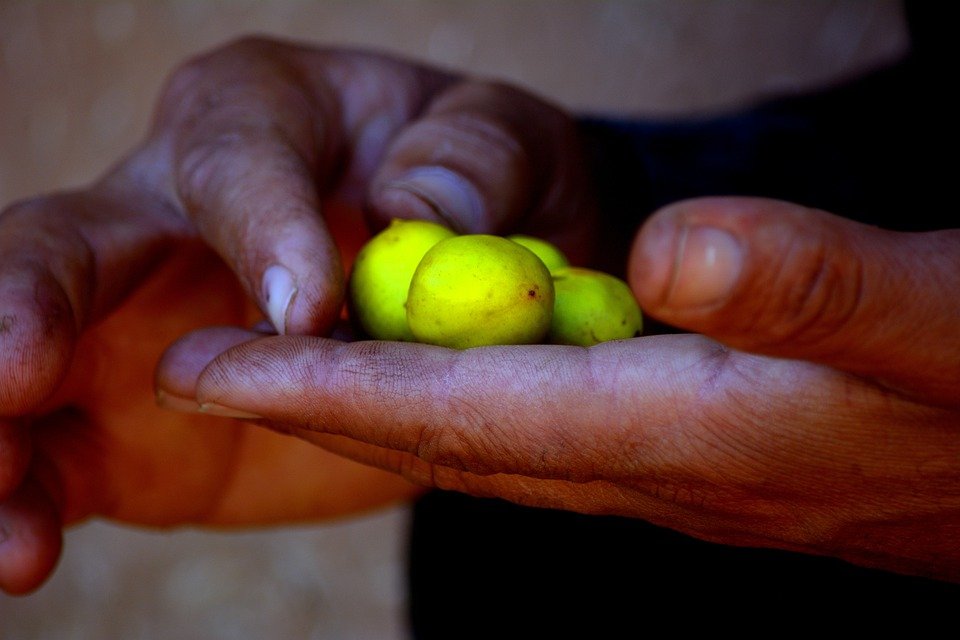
214 409
706 268
448 194
176 403
279 287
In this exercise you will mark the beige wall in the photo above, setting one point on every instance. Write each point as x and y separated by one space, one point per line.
77 79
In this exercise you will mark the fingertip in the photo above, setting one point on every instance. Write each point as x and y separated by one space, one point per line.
302 288
182 363
651 261
685 267
37 335
315 306
30 540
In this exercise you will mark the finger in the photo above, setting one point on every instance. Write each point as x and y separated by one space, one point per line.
487 158
266 463
246 155
66 261
263 131
780 279
542 411
674 428
30 540
182 363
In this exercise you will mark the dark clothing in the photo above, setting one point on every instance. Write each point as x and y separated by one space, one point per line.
491 569
861 150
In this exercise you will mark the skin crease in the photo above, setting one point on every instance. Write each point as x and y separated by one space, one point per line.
811 414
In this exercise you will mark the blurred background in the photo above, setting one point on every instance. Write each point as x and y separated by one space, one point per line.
77 84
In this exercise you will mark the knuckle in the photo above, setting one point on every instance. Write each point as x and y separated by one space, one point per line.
519 117
822 294
188 91
485 153
734 457
512 146
715 454
213 173
437 443
473 141
200 168
464 440
213 80
42 230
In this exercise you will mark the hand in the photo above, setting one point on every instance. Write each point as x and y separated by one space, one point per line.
822 413
92 441
263 151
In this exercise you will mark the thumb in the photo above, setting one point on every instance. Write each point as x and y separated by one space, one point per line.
783 280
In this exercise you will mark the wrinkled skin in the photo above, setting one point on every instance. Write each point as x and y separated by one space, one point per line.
818 409
261 154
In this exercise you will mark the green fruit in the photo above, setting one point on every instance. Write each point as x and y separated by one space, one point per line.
381 274
546 251
475 290
592 307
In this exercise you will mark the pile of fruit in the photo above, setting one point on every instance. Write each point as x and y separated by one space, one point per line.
419 281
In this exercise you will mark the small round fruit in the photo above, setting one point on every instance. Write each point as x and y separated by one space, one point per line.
475 290
592 307
546 251
381 273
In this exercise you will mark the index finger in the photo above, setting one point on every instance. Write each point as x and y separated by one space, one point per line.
260 132
543 411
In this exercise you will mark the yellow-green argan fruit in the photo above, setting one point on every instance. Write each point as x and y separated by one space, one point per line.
546 251
475 290
592 307
381 274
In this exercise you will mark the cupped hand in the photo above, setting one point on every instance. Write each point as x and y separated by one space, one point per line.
264 152
819 409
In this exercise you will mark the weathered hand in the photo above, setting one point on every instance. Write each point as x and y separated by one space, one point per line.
251 147
89 439
822 414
